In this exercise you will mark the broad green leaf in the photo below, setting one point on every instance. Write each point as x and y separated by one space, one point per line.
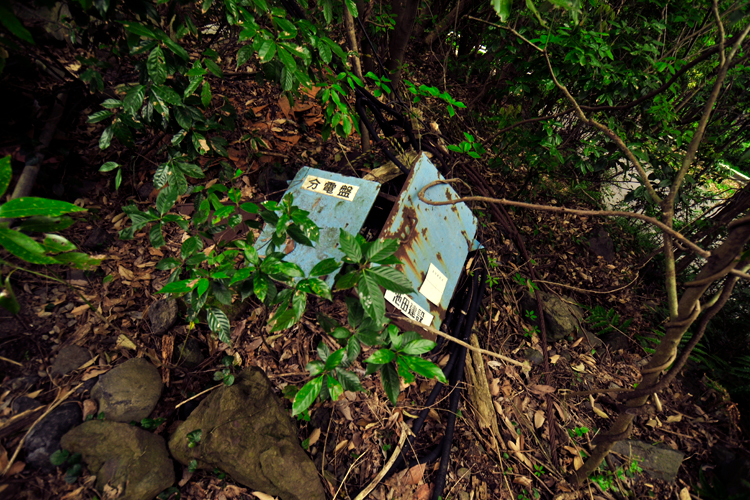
240 275
371 298
334 359
155 236
77 260
353 349
46 224
299 302
167 95
307 395
325 267
350 381
391 383
213 68
381 249
418 347
106 139
243 55
348 280
249 207
109 166
287 59
352 7
6 173
8 299
140 30
315 367
349 246
282 321
24 247
327 323
315 286
54 243
13 24
297 235
166 199
134 99
381 357
32 206
340 333
391 279
156 66
206 94
182 286
175 48
260 286
99 116
267 50
218 323
424 367
334 388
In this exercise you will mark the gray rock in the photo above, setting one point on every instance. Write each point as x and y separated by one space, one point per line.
24 403
21 383
123 457
247 433
189 354
616 340
560 316
68 359
602 245
162 315
128 392
656 461
534 356
44 438
97 239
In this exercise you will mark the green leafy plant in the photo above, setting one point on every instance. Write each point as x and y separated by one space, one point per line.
194 438
35 215
72 463
171 492
193 465
426 91
225 375
578 432
469 147
604 320
606 479
149 424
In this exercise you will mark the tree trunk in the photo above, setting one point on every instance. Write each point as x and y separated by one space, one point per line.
406 13
446 22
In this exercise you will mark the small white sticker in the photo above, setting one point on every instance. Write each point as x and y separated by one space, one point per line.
434 285
330 188
411 309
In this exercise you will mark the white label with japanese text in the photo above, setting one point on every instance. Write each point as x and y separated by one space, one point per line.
434 285
330 188
411 309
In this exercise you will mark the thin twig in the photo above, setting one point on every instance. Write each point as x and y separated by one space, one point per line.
198 395
363 494
596 213
587 291
437 332
57 402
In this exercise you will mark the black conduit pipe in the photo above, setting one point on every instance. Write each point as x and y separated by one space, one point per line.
439 482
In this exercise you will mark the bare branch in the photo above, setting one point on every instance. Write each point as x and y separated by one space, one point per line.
563 210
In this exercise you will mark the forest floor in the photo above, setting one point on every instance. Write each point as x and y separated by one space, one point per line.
349 440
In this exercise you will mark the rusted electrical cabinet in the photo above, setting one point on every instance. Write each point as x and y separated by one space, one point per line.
435 240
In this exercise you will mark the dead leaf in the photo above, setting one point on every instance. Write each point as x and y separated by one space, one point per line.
553 359
538 418
674 418
685 493
415 474
89 408
263 496
77 311
125 273
314 436
580 367
577 462
124 342
541 389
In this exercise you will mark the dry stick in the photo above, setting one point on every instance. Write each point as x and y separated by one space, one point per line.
363 494
437 332
2 358
351 468
563 210
51 407
575 288
198 395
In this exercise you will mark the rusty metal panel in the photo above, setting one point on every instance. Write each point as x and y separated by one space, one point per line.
435 240
334 202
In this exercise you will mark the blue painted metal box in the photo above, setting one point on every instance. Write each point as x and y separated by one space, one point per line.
435 240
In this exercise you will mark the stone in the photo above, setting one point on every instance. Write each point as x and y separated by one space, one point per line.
24 403
162 315
123 457
247 433
602 245
21 383
44 438
97 239
616 340
68 359
561 315
533 356
129 391
188 354
145 190
656 461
